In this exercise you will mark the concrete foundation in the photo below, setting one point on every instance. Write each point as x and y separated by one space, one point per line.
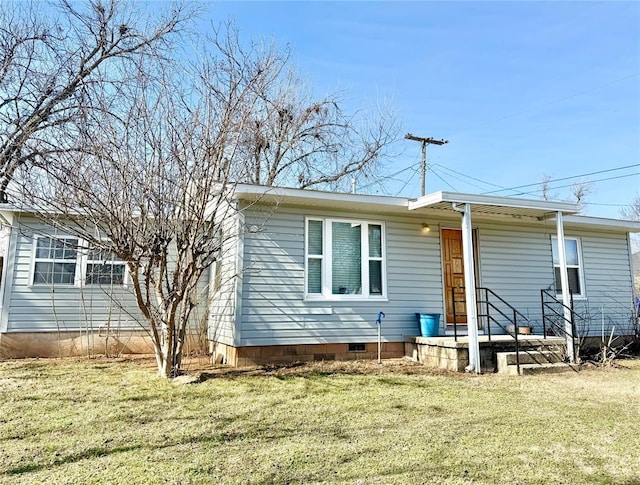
286 354
16 345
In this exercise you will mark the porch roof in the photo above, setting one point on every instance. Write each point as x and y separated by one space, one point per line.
492 205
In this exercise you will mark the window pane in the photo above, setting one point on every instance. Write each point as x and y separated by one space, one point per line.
314 276
571 249
54 273
64 273
314 238
346 264
101 255
375 241
375 277
43 246
43 273
105 274
574 280
64 248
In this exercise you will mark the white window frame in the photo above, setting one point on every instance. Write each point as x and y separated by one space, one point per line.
579 266
81 261
327 257
85 266
77 278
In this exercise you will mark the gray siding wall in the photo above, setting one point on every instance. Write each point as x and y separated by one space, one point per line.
608 284
50 308
274 310
516 262
223 298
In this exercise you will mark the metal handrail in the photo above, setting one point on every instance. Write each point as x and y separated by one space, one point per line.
490 318
572 321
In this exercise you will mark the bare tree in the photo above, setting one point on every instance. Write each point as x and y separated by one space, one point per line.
151 186
156 160
544 187
581 190
295 139
632 211
52 60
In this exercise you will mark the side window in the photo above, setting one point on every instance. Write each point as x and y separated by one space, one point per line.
574 266
104 268
55 261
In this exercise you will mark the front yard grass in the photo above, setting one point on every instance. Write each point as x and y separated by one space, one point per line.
105 421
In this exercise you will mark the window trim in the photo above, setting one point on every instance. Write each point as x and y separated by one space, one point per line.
327 256
34 259
85 250
81 261
580 266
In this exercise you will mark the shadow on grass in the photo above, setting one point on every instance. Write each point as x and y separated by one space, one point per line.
328 369
90 453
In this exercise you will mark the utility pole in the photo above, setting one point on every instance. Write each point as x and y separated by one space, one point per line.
423 165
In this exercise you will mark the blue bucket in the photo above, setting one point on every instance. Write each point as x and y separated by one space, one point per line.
429 324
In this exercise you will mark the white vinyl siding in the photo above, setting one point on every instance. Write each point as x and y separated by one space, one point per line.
223 291
516 261
344 259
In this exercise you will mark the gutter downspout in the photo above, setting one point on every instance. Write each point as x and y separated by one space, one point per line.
564 282
470 288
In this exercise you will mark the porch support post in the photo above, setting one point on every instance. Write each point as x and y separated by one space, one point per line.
564 282
470 291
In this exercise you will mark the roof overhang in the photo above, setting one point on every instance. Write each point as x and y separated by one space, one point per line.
603 223
491 205
320 199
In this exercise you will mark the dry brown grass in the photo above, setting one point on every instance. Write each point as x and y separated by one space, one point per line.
114 421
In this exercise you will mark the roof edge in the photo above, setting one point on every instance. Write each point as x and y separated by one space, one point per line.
491 200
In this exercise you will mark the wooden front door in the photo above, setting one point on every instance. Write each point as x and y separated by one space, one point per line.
453 263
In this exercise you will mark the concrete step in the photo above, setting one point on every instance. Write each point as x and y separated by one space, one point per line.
556 368
505 359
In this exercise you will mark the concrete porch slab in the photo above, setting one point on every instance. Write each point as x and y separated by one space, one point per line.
450 353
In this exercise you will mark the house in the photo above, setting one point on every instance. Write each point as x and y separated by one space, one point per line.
314 269
304 275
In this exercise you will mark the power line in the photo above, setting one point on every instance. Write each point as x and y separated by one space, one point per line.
423 166
438 175
568 178
460 179
391 176
449 169
569 185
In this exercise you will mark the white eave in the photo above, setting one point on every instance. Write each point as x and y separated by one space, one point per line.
492 205
603 223
320 199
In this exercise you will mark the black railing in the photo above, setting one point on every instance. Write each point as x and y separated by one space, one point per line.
554 311
492 310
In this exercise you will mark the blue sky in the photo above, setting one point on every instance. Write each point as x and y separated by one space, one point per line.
520 89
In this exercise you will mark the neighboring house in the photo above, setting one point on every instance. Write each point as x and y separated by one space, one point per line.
304 274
